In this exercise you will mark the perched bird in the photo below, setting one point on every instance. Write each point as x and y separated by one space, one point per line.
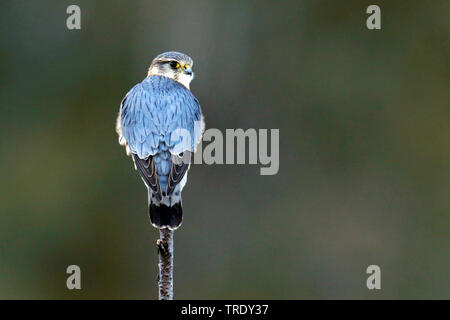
160 123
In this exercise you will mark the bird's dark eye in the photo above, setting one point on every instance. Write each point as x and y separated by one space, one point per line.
174 64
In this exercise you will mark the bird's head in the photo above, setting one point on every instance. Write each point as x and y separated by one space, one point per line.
173 65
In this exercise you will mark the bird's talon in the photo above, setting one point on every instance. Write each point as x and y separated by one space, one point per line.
162 247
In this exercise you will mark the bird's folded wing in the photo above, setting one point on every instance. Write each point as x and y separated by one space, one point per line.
177 171
139 122
147 171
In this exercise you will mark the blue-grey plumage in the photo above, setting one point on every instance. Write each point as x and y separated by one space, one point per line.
159 122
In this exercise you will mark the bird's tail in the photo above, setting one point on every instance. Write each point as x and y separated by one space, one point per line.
166 216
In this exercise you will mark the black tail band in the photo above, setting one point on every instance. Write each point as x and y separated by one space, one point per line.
163 216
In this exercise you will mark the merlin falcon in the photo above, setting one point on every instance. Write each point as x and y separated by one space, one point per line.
160 123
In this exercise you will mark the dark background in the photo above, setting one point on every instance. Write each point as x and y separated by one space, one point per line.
364 149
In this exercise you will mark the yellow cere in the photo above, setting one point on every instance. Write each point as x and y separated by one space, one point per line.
186 66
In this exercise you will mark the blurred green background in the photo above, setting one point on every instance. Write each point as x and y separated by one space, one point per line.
364 150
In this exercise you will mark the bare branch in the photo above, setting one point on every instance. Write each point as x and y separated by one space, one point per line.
165 253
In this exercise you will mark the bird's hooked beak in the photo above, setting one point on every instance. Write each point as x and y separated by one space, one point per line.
189 71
